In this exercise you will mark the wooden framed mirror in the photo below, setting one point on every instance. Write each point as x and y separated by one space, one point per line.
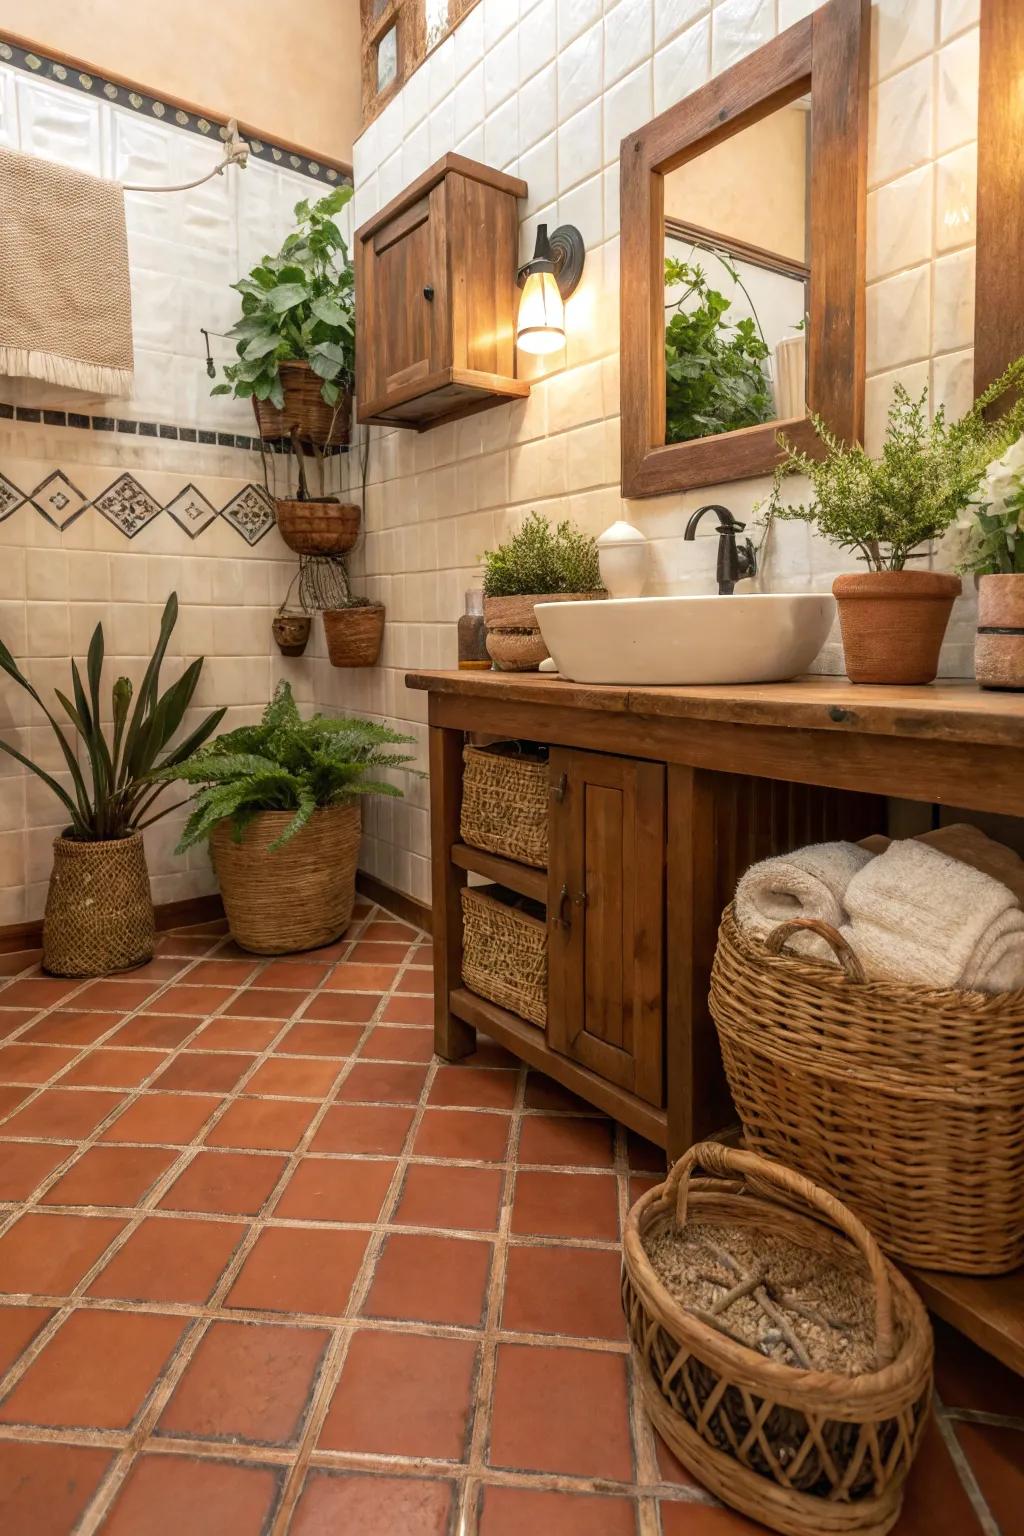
743 213
999 275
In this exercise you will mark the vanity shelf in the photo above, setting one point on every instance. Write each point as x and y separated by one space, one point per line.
521 878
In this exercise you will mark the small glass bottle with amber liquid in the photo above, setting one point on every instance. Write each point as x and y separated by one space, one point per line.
473 655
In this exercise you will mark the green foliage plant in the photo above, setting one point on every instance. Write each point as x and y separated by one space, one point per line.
715 379
991 538
284 763
112 794
543 560
928 473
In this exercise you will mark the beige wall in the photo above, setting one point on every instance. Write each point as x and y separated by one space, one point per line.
290 71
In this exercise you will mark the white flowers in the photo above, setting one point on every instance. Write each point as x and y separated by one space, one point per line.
1003 479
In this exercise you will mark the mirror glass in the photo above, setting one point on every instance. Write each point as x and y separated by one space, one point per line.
736 254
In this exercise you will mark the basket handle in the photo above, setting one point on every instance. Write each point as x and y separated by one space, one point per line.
779 937
715 1158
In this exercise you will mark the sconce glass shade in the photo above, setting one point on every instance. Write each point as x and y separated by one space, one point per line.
541 324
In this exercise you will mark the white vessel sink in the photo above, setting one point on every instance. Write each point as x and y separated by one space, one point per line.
749 638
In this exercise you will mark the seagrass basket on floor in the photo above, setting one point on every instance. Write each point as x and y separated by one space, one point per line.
299 896
99 909
505 801
809 1452
505 951
907 1102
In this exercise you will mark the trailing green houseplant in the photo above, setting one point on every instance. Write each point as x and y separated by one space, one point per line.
536 563
715 379
99 914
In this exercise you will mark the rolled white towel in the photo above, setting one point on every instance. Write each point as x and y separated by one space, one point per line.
918 916
810 882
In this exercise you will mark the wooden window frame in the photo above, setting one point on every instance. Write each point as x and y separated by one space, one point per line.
999 279
410 17
826 54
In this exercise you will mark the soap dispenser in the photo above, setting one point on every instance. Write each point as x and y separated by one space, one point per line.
623 556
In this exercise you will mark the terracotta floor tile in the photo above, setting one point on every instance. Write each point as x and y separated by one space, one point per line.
269 1125
337 1502
565 1205
67 1026
474 1088
566 1141
363 1128
418 978
433 1195
247 1381
96 1371
342 1007
296 975
168 1119
33 1064
262 1003
935 1502
17 960
967 1377
10 1098
489 1053
472 1135
406 1008
403 1394
228 1183
222 973
18 1327
373 1082
187 944
24 1165
544 1093
429 1279
62 1112
230 1034
172 1495
561 1410
391 1042
111 1176
47 1255
670 1468
291 1269
296 1077
349 977
120 996
170 1258
164 1031
113 1069
194 1072
36 992
563 1290
44 1489
13 1019
336 1189
160 968
314 1038
377 954
686 1519
389 931
191 1000
996 1456
513 1511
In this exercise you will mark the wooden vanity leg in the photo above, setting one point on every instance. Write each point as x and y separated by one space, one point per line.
453 1037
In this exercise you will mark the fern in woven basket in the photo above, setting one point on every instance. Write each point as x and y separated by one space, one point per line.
285 763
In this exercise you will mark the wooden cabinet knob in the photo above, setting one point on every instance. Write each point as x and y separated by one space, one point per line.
428 293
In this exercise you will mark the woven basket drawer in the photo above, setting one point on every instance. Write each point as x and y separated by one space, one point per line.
505 802
505 951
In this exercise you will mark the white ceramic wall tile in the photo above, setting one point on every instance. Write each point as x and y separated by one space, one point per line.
501 70
579 147
469 102
539 169
682 66
627 106
955 15
792 11
63 125
538 107
900 223
899 320
902 32
900 122
737 28
628 37
956 198
499 17
580 71
538 40
957 106
671 16
953 302
574 16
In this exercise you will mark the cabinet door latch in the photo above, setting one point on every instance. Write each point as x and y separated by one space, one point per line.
558 790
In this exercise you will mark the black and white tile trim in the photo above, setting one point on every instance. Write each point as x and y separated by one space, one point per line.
332 173
130 507
30 415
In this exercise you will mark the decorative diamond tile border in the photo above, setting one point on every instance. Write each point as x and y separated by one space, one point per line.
10 497
251 512
130 507
127 505
191 511
32 415
58 500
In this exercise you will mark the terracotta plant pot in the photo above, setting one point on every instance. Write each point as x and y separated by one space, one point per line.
893 623
514 640
305 410
999 647
99 910
354 635
291 631
320 526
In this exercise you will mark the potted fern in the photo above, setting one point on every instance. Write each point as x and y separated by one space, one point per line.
279 803
537 564
992 549
99 909
892 619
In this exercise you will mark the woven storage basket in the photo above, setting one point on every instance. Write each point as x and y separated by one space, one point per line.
505 801
295 897
354 635
305 410
505 952
99 909
809 1453
322 527
908 1102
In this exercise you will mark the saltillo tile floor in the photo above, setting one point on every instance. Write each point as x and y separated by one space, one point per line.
268 1266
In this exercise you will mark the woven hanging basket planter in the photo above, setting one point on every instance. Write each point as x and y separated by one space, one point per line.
505 801
907 1101
807 1452
99 909
354 635
291 632
295 897
323 526
305 410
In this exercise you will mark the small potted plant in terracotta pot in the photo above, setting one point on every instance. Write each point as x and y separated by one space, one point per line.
992 547
893 619
537 564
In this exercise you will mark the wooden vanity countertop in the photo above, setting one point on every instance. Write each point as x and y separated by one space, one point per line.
944 711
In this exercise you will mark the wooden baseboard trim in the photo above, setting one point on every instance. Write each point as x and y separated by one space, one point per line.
406 907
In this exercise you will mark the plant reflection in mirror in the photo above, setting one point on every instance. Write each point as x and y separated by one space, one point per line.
715 379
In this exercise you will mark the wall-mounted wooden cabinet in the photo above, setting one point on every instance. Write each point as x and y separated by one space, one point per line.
436 298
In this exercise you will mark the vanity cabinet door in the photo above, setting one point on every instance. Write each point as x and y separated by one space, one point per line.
606 881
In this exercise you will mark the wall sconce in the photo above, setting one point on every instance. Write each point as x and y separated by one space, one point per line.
547 280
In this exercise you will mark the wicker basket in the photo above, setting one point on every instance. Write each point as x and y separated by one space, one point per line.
295 897
809 1453
908 1102
291 631
99 909
305 410
320 527
505 801
505 951
354 635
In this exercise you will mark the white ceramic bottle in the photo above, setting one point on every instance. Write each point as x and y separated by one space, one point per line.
623 554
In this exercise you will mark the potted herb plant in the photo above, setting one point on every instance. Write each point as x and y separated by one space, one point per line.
893 619
715 379
992 540
537 564
279 802
99 910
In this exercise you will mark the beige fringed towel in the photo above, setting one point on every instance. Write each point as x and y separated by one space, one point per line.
65 298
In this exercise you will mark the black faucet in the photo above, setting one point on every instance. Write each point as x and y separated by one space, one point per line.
733 563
